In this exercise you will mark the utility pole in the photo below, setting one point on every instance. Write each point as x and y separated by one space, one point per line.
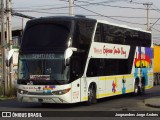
148 5
3 43
71 7
9 31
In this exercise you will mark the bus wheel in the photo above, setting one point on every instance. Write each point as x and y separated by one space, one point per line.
143 86
143 89
136 89
91 95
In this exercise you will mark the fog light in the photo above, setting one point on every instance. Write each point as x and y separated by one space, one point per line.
61 92
22 91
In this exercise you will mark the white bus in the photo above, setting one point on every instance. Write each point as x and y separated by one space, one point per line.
75 59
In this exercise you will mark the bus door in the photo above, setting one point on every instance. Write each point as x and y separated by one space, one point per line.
76 71
76 93
84 94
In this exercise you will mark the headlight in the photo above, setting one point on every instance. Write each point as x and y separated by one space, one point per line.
61 92
22 91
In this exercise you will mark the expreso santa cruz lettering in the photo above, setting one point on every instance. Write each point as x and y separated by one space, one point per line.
109 50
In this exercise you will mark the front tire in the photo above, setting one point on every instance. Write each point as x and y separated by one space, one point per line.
91 95
136 89
142 86
139 89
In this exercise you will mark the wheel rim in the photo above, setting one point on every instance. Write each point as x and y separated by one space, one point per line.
90 94
136 89
143 88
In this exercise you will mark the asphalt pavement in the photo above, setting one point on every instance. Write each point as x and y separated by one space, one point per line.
153 101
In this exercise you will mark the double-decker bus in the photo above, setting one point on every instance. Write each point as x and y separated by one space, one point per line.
66 59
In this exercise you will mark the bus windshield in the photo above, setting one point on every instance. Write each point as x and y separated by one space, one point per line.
43 67
46 37
51 37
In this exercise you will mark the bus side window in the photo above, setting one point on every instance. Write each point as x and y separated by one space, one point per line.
98 37
92 68
76 68
108 34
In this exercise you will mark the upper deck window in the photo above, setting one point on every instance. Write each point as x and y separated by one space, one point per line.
118 35
45 36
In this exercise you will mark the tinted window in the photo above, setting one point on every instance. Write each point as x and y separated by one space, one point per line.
83 34
45 36
81 40
98 34
118 35
104 67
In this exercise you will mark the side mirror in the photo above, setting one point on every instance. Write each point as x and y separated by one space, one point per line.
8 57
67 54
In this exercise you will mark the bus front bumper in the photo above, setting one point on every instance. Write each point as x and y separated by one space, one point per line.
41 99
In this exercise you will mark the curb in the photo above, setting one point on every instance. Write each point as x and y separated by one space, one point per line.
1 99
6 98
152 102
151 105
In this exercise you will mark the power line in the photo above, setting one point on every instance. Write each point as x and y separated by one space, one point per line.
158 10
30 7
102 4
157 19
109 1
89 4
22 15
107 16
126 17
48 12
155 29
154 23
82 8
136 2
131 17
41 9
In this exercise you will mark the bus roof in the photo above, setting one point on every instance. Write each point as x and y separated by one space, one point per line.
64 18
77 17
123 26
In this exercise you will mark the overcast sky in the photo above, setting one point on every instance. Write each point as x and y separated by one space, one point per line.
128 12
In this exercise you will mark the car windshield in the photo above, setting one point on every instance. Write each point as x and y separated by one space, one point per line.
43 67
